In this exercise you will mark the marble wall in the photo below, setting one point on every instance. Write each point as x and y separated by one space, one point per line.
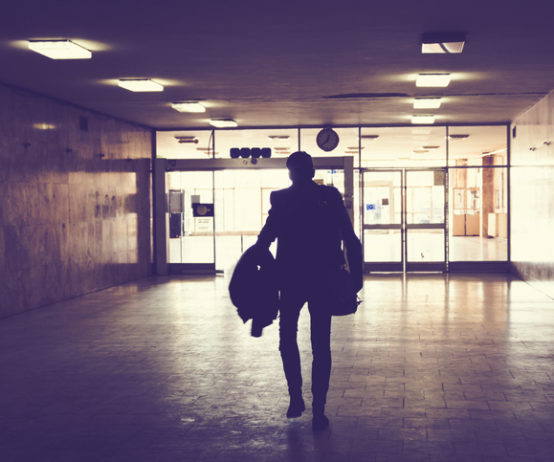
75 212
532 194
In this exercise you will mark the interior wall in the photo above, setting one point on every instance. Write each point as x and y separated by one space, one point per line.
75 211
532 194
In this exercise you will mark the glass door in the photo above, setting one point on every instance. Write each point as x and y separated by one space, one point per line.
404 225
425 225
207 212
190 222
382 213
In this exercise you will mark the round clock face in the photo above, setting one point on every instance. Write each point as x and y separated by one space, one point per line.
327 139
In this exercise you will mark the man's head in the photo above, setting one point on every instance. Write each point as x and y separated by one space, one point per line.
301 167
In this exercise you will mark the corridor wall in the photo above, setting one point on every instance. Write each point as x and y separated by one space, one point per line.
75 195
532 194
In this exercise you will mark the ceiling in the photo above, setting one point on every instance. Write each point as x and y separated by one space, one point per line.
280 63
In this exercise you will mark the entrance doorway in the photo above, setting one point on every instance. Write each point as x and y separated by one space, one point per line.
209 211
404 219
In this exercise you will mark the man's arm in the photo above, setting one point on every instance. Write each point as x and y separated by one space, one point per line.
269 231
351 242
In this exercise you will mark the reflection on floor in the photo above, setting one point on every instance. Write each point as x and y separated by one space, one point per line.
432 368
428 246
475 248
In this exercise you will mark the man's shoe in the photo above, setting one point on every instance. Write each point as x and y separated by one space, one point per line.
296 408
320 422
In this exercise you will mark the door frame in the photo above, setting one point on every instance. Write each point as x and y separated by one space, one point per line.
162 266
404 265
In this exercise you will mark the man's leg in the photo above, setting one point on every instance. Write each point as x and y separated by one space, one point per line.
290 307
320 323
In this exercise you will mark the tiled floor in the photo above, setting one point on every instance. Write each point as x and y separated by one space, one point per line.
441 368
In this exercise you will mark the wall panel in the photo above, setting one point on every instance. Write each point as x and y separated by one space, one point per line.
74 203
532 195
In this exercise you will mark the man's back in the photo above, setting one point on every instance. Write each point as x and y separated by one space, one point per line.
309 222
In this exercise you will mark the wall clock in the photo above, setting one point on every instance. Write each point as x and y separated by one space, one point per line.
327 139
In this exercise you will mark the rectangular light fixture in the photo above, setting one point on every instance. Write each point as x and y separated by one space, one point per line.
139 85
423 119
188 106
433 80
443 43
43 126
223 123
59 49
427 103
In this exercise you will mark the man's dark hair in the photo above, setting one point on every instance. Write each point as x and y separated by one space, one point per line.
301 166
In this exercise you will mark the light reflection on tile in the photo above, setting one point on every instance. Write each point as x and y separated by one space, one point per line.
432 367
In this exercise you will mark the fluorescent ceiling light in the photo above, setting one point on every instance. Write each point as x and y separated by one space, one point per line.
139 85
59 49
459 136
430 147
223 123
427 103
279 137
188 106
433 80
449 43
369 137
44 126
423 119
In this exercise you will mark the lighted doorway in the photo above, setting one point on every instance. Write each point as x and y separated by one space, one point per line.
404 224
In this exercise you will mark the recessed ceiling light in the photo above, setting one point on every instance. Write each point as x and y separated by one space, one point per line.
423 119
188 106
450 43
223 123
370 137
433 80
427 103
59 49
461 136
138 85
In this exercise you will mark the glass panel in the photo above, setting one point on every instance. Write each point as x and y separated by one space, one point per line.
425 197
242 204
382 245
477 146
190 217
184 144
478 214
282 142
387 147
425 245
382 198
330 178
348 143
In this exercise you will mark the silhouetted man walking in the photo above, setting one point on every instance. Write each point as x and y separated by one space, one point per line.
309 222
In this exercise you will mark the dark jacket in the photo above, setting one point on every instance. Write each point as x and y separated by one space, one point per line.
310 222
253 289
